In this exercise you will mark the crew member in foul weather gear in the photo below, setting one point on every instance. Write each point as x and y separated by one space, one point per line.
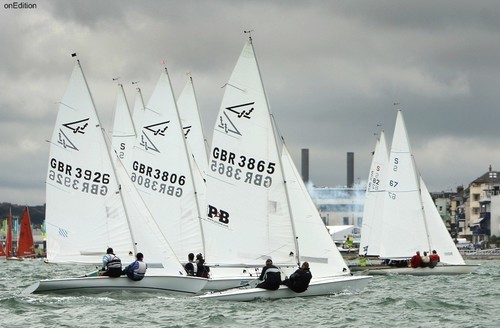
137 269
111 264
270 276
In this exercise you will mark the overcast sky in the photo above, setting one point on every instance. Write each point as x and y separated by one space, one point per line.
332 71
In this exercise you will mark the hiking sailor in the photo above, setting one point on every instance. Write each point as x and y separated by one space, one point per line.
111 264
137 269
270 276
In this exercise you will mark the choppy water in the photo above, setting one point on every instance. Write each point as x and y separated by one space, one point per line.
393 301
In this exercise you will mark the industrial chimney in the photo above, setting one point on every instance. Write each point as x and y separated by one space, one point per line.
350 170
305 165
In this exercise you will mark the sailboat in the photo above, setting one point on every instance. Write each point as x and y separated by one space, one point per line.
167 173
92 204
161 171
410 220
7 249
374 199
25 241
258 206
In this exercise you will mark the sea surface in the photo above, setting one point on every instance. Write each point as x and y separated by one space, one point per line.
471 300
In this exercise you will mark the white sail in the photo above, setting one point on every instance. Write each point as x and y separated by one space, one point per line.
439 237
371 230
404 230
138 111
123 133
248 217
192 125
146 232
258 206
410 220
84 215
316 245
161 171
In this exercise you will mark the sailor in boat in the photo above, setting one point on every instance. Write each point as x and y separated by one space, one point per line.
111 264
425 260
270 276
201 269
191 267
137 269
416 260
299 280
434 259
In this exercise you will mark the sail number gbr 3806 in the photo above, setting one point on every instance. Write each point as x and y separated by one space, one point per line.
78 179
242 168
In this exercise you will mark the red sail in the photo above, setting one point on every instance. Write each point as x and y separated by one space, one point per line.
25 243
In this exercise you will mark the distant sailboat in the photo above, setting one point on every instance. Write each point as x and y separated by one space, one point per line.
9 254
374 200
258 206
410 220
6 248
25 242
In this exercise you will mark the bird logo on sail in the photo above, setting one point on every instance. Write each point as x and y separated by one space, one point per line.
153 130
235 112
76 127
186 130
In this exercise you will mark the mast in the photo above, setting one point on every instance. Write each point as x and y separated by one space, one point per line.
118 187
280 152
188 155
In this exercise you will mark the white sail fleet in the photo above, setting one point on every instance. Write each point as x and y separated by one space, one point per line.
153 185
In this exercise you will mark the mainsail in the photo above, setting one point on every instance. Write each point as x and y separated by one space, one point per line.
162 172
374 200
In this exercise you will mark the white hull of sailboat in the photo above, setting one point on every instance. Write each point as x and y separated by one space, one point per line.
317 287
438 270
161 284
225 283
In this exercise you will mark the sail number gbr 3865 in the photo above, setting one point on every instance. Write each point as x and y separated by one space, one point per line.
242 168
77 178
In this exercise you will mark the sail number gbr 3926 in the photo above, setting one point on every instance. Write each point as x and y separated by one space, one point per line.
76 178
242 168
